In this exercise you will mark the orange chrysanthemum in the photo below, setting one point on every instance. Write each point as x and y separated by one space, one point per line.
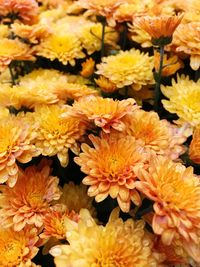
13 50
17 249
111 166
31 197
104 112
160 26
106 85
194 149
157 135
34 33
15 145
24 10
118 244
87 68
54 223
104 8
57 134
175 191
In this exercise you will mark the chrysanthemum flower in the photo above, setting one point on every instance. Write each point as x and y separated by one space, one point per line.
57 134
87 68
15 144
104 112
171 63
138 35
104 8
54 223
75 198
64 47
110 167
24 10
13 50
175 191
128 68
106 85
31 197
186 40
194 149
4 31
157 135
90 36
33 33
186 93
159 27
18 248
116 244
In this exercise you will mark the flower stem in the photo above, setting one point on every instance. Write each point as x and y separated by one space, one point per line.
12 74
103 22
158 81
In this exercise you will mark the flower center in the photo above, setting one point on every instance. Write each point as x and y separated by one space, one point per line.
11 253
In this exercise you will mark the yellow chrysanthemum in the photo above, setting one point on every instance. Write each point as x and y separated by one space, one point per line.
140 36
57 134
104 112
186 40
128 68
13 50
18 248
194 149
75 198
34 33
184 98
90 36
104 8
157 135
116 244
24 10
110 167
4 31
31 197
175 191
64 47
15 145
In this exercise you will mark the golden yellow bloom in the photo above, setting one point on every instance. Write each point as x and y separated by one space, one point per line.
15 144
18 248
194 149
128 68
54 223
31 197
104 8
87 68
142 94
106 85
104 112
126 12
24 10
187 40
157 135
4 31
184 97
75 198
175 191
138 35
34 33
13 50
110 167
116 244
90 36
171 63
64 47
159 26
57 134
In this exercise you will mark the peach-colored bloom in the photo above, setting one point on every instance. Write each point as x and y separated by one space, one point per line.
157 135
175 191
87 68
159 26
31 197
111 166
24 10
194 149
18 248
13 50
15 144
104 112
106 85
